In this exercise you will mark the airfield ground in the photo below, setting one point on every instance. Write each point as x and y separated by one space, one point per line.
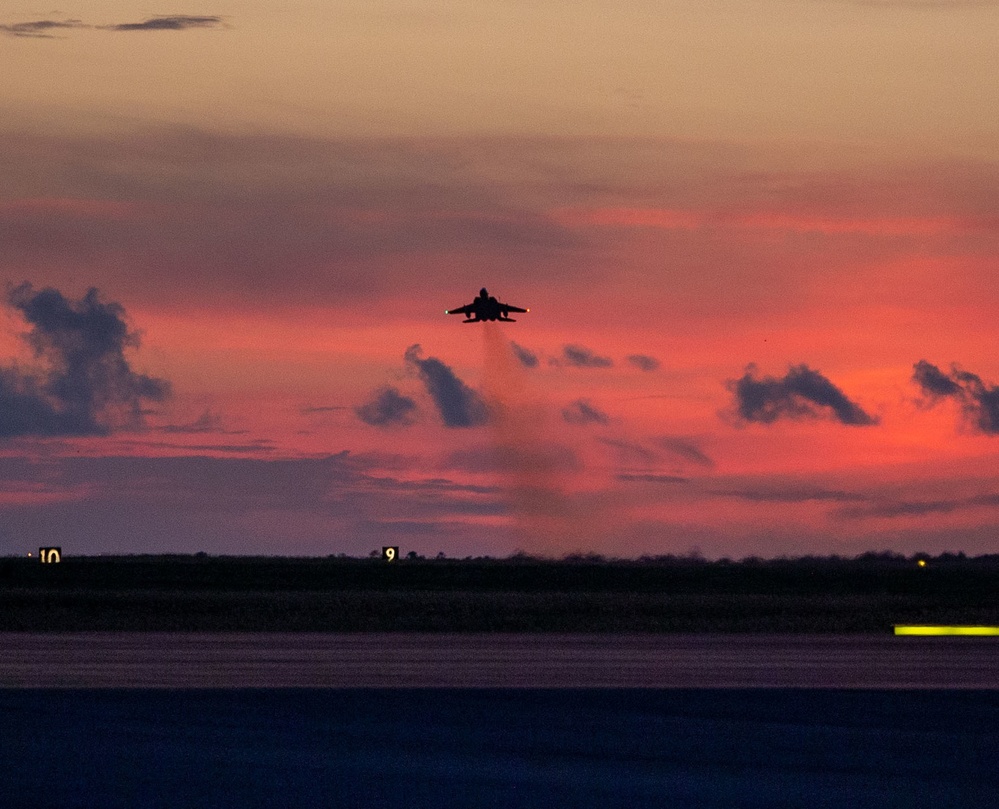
337 594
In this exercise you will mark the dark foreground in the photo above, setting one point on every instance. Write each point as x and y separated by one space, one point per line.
498 748
483 660
240 594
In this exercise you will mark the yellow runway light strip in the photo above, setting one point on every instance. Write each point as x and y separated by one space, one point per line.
901 629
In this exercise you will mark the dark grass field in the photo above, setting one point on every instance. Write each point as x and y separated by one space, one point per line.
198 593
499 748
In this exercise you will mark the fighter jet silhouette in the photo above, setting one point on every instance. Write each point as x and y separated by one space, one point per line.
486 307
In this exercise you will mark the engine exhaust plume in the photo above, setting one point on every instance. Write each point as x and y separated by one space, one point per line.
538 470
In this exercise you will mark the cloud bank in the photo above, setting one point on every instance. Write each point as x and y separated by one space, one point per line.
89 385
801 393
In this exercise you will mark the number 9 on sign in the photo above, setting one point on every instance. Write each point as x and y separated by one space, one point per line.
390 554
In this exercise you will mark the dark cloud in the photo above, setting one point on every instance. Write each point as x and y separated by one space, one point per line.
686 450
979 401
458 404
647 478
644 362
88 386
934 5
793 494
629 452
42 29
429 487
802 392
39 29
526 357
175 23
250 447
582 357
582 412
934 382
389 408
917 508
207 422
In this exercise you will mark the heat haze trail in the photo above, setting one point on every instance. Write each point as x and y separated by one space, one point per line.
537 468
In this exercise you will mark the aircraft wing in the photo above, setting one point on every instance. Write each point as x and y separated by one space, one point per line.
463 310
507 308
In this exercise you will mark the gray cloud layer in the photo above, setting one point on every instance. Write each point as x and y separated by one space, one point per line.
802 392
267 220
337 503
88 385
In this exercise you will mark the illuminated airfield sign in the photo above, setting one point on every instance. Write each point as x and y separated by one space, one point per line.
50 555
901 629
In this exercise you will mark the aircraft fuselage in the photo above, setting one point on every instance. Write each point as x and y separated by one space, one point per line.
486 307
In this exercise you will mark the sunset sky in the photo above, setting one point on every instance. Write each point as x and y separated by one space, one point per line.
759 240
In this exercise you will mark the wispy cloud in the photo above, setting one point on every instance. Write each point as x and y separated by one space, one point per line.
583 412
207 422
179 22
524 356
802 392
46 29
792 494
917 508
650 478
582 357
389 408
644 362
686 450
40 29
630 452
979 401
